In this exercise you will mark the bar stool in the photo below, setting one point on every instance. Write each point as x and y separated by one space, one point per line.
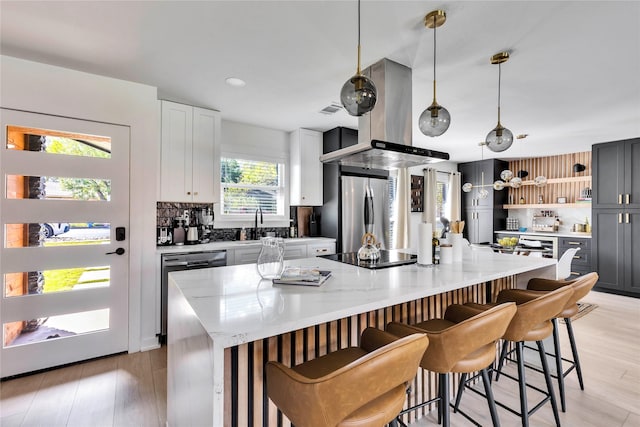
355 386
463 341
532 322
581 287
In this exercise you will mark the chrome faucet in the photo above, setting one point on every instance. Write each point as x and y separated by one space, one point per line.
255 228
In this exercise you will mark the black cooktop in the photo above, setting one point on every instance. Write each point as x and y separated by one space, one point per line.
387 259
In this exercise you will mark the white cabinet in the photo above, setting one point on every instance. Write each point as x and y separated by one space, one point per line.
326 248
190 154
305 181
248 255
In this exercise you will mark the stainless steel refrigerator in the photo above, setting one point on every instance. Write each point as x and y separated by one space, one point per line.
365 208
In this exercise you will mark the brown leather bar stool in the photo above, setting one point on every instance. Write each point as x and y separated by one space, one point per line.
581 287
355 386
532 322
463 341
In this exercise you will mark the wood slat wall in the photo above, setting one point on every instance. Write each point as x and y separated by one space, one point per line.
553 168
246 398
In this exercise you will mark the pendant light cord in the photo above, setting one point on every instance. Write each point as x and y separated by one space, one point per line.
499 79
434 59
358 72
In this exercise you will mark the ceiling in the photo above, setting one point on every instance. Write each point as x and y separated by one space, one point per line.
572 79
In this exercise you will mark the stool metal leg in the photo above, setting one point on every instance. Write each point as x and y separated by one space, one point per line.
522 384
503 356
445 399
574 350
461 386
489 394
559 369
547 378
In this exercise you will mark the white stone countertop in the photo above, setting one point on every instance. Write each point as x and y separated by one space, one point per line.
235 306
546 233
233 244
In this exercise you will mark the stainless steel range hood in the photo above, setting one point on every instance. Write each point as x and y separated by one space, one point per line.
384 134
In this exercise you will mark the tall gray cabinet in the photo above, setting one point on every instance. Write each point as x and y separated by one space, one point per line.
616 216
483 216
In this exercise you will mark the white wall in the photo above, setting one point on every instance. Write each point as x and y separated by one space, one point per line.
47 89
257 143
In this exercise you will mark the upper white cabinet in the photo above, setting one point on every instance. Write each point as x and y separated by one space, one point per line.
306 170
190 154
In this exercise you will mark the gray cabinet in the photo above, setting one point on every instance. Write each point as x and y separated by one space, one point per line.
616 182
581 263
483 216
616 216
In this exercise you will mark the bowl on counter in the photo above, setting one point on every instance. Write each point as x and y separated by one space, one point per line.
522 229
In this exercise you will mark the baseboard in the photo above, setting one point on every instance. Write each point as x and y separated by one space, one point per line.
149 344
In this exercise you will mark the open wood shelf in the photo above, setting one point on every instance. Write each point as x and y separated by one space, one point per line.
548 206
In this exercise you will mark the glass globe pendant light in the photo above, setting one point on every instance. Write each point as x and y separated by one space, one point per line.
358 94
435 120
500 138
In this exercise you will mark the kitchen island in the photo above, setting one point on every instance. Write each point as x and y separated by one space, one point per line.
225 323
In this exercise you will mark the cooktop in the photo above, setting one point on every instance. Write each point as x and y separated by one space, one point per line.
387 259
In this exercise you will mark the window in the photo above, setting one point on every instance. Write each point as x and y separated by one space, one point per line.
251 184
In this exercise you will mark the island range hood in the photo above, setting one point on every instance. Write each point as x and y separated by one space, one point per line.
384 134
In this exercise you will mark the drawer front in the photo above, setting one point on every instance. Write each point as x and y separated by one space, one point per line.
246 255
322 249
572 242
577 272
295 251
582 258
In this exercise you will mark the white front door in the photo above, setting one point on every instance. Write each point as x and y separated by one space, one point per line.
64 258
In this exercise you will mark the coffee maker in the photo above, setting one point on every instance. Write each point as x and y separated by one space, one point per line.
192 232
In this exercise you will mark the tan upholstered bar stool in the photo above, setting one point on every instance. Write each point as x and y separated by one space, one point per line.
581 287
357 386
532 322
463 341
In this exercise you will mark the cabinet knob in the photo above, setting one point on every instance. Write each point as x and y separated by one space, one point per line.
188 193
195 193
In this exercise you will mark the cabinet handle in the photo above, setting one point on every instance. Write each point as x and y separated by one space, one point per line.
626 218
573 243
620 218
576 257
573 273
619 199
628 198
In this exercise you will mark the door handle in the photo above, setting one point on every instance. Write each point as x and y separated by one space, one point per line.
119 251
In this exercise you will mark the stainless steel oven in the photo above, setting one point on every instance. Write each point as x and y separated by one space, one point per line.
183 261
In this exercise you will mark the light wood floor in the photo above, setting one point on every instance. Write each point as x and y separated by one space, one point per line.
130 390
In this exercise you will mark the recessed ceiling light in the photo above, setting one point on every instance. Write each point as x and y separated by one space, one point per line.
236 82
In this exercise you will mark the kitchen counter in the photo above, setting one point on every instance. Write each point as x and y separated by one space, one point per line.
224 319
546 233
233 244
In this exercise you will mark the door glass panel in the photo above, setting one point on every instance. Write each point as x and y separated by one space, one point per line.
58 188
56 142
54 327
52 281
51 234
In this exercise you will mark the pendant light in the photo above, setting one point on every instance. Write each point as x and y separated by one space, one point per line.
358 94
435 120
500 138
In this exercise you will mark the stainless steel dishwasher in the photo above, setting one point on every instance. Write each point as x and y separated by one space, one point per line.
183 261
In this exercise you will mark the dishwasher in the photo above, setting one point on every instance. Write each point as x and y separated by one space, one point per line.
178 262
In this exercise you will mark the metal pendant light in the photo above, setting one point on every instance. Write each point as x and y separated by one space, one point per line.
435 120
500 138
358 94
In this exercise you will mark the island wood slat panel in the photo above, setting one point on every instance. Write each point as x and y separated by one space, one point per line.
562 180
246 401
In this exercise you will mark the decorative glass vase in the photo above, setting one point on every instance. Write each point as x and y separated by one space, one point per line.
271 258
